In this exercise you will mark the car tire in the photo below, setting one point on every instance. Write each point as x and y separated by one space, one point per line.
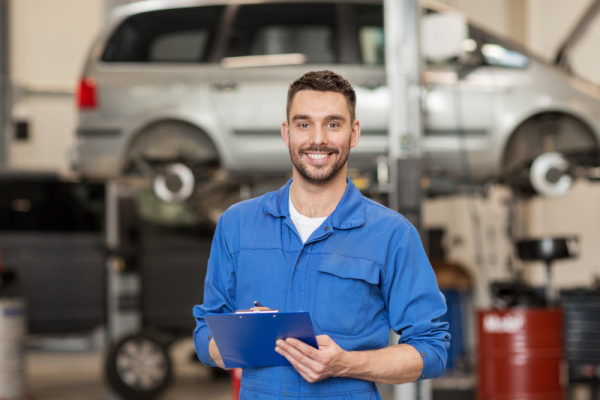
138 367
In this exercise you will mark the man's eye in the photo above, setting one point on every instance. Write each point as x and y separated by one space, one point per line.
303 125
333 125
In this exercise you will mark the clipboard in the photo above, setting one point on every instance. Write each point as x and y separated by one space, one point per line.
248 340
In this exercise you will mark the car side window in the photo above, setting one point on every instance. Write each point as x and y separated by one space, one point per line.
293 33
498 52
172 35
482 48
371 43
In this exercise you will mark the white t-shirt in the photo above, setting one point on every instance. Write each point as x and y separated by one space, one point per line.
306 226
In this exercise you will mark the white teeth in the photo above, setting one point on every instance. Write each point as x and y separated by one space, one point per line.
317 156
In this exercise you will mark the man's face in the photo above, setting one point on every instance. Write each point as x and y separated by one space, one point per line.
319 134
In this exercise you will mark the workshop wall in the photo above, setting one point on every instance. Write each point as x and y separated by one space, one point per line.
576 213
49 41
476 235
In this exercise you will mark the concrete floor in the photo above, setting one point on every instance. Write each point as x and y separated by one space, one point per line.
79 375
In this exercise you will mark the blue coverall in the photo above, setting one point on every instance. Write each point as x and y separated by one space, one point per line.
360 274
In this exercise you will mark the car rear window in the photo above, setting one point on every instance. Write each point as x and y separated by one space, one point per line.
173 35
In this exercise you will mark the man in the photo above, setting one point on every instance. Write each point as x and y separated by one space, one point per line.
318 245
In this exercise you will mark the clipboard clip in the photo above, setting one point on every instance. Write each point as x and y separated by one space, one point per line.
257 304
256 311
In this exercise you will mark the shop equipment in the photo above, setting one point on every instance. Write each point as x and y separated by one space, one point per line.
520 349
154 275
12 359
582 336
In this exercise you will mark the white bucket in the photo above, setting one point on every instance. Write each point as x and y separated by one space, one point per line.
12 333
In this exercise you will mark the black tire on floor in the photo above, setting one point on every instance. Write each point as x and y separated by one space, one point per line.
138 367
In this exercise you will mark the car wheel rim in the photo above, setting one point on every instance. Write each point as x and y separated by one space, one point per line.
142 364
548 175
166 192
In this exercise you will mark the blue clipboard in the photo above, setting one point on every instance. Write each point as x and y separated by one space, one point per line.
248 340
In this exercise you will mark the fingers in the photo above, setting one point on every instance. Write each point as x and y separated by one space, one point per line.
311 373
299 355
307 350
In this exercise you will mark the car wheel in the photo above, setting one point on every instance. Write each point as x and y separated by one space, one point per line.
138 367
546 152
549 175
174 184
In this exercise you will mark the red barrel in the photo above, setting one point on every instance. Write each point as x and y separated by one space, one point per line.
236 382
520 354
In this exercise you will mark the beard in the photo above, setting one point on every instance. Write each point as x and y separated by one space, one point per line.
319 174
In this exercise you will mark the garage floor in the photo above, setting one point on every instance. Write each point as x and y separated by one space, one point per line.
78 375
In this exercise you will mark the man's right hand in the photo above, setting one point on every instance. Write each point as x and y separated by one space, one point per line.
260 309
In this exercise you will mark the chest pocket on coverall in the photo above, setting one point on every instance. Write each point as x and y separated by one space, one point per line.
344 290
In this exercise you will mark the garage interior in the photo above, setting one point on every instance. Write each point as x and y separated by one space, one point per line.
91 264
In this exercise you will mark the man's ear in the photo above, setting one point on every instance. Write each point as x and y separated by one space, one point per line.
285 133
355 135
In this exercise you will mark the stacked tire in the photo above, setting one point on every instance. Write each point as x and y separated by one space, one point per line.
12 360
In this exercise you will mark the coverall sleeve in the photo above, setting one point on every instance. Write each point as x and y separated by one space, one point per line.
219 286
416 304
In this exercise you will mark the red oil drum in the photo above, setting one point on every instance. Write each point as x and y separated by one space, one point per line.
236 382
520 354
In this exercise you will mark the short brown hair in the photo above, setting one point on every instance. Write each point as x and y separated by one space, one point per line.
323 81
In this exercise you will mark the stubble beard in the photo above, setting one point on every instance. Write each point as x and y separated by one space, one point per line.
318 174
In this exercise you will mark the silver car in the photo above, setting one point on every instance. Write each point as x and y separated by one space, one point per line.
179 88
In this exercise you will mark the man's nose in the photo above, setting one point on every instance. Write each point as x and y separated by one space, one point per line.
319 136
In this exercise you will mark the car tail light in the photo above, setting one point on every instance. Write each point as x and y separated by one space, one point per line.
86 95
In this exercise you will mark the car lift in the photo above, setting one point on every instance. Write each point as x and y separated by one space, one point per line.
402 55
123 284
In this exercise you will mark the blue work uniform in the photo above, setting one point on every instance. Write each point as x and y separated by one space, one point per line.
360 274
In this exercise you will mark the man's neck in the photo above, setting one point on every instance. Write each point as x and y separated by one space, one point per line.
317 201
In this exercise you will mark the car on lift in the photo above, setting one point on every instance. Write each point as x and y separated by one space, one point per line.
180 90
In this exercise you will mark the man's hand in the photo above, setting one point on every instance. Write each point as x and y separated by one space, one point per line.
396 364
314 365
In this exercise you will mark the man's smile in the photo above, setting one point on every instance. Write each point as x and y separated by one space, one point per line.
318 158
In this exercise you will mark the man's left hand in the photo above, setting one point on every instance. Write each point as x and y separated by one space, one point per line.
314 365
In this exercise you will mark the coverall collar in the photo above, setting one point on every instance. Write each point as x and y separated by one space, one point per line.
349 213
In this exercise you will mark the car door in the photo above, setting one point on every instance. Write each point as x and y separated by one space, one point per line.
152 62
459 100
461 95
268 46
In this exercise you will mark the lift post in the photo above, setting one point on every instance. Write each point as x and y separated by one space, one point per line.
123 281
403 70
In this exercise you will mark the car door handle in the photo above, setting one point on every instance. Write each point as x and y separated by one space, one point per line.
225 85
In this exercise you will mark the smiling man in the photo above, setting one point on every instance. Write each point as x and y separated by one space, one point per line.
318 245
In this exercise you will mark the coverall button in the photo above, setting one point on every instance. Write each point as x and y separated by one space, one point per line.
326 228
209 337
423 354
423 376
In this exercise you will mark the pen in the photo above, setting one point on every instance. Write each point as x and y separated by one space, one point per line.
257 304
